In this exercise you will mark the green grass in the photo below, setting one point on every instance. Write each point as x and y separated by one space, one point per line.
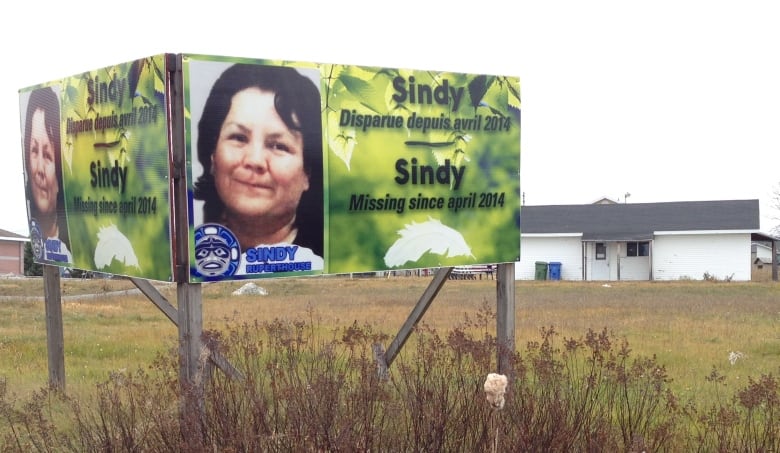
100 335
312 384
689 326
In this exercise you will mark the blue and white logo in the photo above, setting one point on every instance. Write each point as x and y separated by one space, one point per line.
36 240
217 253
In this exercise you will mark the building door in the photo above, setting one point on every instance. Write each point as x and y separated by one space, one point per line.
601 260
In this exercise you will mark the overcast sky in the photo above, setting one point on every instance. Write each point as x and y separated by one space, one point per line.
665 100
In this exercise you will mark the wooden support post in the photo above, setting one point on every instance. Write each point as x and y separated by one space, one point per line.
192 366
188 295
774 260
172 314
55 342
190 330
384 360
505 317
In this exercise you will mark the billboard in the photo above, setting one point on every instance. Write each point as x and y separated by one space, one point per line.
301 168
292 168
96 169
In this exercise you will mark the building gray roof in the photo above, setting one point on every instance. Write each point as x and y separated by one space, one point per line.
8 235
639 221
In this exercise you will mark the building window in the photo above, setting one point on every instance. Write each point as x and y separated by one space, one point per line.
638 248
601 251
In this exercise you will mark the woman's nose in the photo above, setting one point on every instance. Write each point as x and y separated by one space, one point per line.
36 163
256 155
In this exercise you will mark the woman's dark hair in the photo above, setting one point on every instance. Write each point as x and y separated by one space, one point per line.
45 99
297 97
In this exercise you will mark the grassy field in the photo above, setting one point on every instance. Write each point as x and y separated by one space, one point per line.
690 326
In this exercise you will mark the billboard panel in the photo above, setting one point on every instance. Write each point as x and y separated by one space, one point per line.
98 177
305 168
423 168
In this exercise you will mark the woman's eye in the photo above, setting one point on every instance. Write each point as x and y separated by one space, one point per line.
236 137
279 146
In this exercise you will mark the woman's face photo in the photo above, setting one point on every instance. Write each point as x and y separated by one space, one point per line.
258 162
43 176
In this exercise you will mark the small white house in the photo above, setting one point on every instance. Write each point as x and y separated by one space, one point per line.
640 241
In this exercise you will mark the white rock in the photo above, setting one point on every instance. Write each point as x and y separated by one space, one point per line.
252 289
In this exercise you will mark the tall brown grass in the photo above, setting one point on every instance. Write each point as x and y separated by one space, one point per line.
596 368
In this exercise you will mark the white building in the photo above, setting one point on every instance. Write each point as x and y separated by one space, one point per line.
640 241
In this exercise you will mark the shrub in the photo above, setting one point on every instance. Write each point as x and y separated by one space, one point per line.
307 389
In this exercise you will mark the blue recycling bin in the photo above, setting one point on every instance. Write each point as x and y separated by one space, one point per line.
555 270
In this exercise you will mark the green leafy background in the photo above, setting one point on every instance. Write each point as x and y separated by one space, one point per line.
363 162
143 148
